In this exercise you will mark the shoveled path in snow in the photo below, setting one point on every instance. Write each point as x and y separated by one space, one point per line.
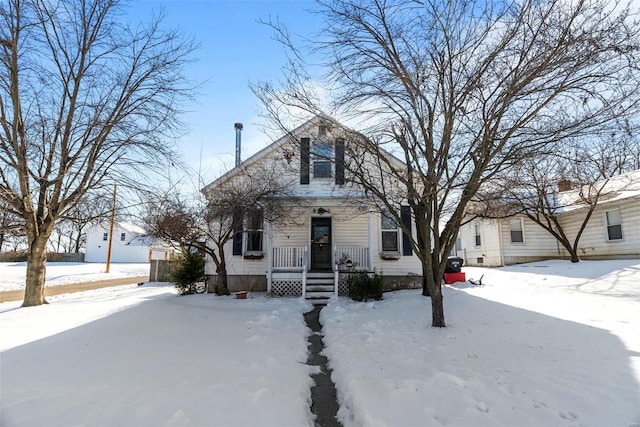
323 394
18 295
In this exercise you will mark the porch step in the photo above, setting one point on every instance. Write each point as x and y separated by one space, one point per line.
320 281
319 298
320 288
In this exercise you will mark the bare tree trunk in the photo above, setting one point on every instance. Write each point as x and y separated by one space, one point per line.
36 273
222 287
434 285
425 274
437 308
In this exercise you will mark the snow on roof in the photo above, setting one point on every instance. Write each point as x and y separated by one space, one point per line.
300 130
614 189
132 228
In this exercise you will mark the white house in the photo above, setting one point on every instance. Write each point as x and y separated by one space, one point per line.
613 230
336 230
130 243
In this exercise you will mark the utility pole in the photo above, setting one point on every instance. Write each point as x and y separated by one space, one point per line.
113 218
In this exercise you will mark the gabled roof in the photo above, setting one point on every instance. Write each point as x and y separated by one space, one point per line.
129 228
278 144
620 187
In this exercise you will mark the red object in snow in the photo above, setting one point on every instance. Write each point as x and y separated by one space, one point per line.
454 277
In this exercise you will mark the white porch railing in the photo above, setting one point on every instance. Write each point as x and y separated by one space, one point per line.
289 258
359 257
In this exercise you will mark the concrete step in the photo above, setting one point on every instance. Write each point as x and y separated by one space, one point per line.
318 275
314 295
320 288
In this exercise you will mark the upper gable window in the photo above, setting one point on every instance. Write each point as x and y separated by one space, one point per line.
322 154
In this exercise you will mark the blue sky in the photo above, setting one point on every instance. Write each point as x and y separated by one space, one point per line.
235 49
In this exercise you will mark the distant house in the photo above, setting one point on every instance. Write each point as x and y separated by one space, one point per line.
612 232
336 228
130 243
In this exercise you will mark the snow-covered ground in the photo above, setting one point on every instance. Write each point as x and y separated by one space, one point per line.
543 344
12 274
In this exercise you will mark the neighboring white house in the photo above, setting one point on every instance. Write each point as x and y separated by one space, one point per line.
613 230
130 243
332 233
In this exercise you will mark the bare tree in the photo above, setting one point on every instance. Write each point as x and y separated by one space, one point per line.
10 225
91 210
576 177
459 91
235 204
85 100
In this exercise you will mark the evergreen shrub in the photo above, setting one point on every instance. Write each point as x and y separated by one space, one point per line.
188 269
363 287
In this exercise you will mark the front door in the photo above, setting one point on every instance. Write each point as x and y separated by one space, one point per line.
321 244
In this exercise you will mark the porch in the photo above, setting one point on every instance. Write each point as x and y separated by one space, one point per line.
289 273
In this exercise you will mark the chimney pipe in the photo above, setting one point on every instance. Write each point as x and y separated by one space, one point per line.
238 127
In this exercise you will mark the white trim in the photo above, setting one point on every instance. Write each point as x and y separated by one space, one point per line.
607 225
513 220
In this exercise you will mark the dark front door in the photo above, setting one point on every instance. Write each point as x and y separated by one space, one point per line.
321 244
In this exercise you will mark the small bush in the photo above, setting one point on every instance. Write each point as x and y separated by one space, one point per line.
188 269
363 287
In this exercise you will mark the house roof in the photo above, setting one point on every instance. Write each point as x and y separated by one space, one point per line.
132 228
620 187
279 143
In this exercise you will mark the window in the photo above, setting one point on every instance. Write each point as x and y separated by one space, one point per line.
478 238
105 236
614 224
389 233
254 232
123 237
322 154
515 227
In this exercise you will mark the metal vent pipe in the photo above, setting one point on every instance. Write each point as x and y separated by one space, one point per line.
238 127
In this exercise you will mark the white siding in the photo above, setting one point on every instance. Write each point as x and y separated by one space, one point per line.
594 243
489 250
97 248
538 244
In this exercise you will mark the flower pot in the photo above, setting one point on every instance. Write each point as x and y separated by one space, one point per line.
241 295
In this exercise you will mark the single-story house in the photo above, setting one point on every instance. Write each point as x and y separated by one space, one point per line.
613 231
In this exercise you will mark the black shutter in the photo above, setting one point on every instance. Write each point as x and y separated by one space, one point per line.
304 160
237 235
339 162
405 216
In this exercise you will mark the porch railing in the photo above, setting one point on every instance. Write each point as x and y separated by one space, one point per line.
359 257
289 258
295 258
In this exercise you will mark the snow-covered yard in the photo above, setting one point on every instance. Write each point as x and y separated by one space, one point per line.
543 344
12 274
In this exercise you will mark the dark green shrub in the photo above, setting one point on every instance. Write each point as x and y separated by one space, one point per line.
363 287
188 269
